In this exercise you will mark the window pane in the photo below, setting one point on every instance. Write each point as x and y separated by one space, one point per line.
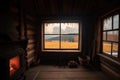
52 41
107 47
112 35
69 41
104 35
116 22
107 24
115 49
52 28
69 28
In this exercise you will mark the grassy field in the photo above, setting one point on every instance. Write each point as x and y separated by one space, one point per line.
55 44
107 47
74 45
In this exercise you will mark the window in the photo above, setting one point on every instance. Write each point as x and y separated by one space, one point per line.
61 36
110 42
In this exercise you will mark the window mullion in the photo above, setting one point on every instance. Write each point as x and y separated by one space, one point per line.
60 36
79 34
119 38
111 48
112 42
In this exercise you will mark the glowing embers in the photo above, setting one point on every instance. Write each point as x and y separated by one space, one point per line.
14 64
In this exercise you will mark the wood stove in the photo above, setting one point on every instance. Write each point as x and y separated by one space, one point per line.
12 61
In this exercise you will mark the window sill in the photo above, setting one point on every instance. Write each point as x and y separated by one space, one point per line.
110 59
61 50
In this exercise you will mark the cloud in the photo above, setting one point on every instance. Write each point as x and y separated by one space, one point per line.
56 30
66 28
69 29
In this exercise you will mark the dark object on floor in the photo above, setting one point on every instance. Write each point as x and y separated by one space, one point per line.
84 60
72 64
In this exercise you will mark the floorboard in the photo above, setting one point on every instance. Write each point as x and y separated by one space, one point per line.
49 72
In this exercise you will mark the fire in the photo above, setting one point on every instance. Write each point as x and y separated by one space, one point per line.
14 64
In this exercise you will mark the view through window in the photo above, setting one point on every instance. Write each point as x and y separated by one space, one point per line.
111 35
61 36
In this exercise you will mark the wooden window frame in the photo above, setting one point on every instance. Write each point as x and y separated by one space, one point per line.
111 14
62 50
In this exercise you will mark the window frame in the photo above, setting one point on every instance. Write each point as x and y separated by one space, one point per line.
65 49
111 14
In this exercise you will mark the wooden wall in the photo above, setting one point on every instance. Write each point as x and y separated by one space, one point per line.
88 23
107 63
30 35
110 66
18 24
10 19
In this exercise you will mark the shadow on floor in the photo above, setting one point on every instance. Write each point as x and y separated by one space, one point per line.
50 72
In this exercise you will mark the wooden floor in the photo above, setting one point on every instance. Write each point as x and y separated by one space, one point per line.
47 72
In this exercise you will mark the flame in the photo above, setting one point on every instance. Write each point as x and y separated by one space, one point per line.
14 64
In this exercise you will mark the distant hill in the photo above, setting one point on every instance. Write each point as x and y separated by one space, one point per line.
70 38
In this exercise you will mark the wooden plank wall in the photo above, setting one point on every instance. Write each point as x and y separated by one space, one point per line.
110 66
30 34
18 24
10 19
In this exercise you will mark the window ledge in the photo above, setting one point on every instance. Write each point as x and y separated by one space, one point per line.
112 60
61 50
